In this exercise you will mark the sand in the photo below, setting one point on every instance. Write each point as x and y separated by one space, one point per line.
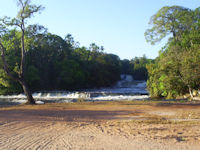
99 126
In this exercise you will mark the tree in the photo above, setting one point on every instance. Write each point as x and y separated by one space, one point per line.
72 76
184 65
176 70
69 40
94 48
125 66
171 20
26 11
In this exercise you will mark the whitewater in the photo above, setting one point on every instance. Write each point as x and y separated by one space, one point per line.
125 90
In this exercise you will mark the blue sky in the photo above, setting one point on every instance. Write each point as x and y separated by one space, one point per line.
118 25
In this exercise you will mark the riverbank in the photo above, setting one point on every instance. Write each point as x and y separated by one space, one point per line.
101 125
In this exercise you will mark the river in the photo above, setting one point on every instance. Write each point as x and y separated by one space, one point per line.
125 89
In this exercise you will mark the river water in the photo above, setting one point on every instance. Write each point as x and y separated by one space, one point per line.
125 89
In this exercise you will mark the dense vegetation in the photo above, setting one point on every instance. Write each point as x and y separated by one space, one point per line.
136 67
53 63
176 70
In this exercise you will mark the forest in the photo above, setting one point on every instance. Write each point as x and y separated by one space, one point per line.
53 63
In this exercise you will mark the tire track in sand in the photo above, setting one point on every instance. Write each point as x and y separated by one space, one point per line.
56 137
38 138
74 135
13 135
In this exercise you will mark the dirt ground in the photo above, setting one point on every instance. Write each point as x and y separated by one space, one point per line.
101 125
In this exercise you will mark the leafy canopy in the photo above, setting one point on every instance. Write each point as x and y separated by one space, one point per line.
171 20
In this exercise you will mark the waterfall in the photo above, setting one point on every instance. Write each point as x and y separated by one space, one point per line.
126 89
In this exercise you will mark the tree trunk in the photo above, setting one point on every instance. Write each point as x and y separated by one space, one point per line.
190 91
20 79
27 92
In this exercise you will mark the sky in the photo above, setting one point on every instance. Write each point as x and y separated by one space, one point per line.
117 25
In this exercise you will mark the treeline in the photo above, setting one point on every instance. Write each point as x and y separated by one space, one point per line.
136 67
176 70
53 63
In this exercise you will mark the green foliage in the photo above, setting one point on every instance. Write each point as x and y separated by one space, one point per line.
176 70
171 20
32 76
7 85
136 67
56 64
72 76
